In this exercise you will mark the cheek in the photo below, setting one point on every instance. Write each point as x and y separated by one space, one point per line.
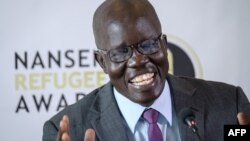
161 61
116 71
116 74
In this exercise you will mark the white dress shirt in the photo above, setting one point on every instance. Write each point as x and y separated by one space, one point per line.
132 112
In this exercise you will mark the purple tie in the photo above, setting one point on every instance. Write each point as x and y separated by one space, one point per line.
154 132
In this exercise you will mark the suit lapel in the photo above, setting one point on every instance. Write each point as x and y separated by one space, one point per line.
107 121
185 95
106 118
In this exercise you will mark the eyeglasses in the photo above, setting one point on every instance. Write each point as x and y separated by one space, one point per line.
146 47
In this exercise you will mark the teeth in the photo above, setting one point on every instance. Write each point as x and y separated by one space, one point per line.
143 79
143 82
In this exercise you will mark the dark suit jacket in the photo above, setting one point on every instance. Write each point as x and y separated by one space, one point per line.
215 104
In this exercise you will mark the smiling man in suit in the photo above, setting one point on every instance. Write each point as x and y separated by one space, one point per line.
141 102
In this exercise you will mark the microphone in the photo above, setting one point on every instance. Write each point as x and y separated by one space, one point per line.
187 117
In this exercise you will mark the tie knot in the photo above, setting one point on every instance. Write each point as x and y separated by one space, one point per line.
151 115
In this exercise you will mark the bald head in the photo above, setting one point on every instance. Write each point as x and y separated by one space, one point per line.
129 34
114 18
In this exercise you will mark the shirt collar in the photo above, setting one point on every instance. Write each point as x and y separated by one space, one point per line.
132 111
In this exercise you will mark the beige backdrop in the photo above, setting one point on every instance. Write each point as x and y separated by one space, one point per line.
46 56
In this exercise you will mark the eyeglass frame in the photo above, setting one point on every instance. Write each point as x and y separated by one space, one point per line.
159 38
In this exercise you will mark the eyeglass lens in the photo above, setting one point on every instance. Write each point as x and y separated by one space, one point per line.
124 53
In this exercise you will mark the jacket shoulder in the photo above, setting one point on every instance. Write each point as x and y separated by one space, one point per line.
77 113
82 106
208 84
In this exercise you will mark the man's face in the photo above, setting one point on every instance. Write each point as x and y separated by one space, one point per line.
140 78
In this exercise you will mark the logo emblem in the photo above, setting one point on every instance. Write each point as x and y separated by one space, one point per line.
183 61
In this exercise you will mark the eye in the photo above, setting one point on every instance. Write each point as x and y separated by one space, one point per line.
123 50
120 54
149 47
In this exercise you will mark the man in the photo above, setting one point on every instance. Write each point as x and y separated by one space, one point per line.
132 51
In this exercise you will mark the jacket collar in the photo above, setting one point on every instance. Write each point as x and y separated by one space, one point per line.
184 94
106 118
108 123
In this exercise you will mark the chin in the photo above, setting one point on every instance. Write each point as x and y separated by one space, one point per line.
147 103
145 99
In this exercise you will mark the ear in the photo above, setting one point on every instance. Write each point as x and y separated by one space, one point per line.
99 58
165 42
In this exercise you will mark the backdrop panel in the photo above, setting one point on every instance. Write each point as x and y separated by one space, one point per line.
47 61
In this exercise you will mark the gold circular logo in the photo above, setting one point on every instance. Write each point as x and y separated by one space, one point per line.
183 61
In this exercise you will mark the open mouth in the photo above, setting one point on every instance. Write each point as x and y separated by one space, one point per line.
143 79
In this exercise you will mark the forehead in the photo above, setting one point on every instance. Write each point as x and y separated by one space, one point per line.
129 32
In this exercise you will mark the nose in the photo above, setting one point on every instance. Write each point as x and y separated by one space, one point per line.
137 59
